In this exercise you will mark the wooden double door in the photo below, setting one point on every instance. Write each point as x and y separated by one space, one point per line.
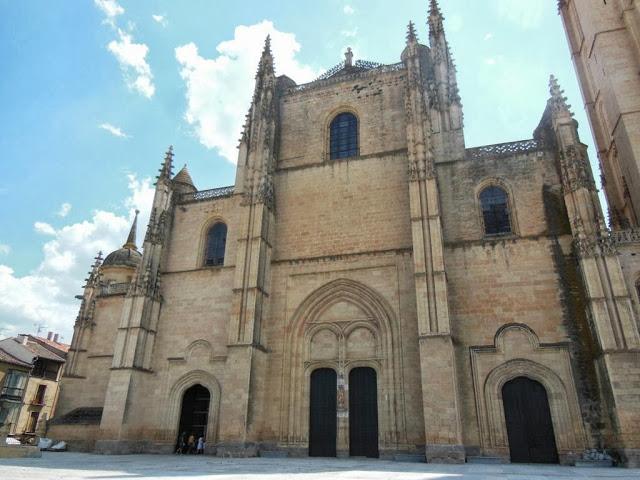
363 413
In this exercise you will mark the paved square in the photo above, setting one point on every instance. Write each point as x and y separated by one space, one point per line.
76 466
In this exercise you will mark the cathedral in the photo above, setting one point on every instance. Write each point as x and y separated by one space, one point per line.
368 287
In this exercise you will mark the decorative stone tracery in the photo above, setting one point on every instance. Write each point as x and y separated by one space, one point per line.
342 325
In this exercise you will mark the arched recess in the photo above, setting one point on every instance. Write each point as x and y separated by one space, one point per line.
203 237
511 202
298 364
518 352
174 402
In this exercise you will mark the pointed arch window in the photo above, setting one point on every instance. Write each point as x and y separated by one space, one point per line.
216 243
495 211
343 133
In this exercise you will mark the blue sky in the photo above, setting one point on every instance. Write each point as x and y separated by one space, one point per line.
93 92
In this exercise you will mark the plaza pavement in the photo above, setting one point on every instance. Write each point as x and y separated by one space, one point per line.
77 466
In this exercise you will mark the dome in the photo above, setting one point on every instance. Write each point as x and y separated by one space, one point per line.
123 257
128 255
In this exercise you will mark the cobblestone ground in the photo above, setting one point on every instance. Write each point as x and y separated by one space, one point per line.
76 466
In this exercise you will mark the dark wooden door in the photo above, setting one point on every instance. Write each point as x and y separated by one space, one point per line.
195 412
363 413
529 425
322 414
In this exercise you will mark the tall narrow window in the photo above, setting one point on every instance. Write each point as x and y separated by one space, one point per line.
495 211
39 398
216 242
343 141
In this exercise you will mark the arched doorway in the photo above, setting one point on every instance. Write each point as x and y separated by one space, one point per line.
528 419
322 413
194 414
363 412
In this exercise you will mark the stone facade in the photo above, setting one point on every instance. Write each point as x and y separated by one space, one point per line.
377 260
604 38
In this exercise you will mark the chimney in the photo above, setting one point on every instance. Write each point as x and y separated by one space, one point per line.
24 339
49 335
55 338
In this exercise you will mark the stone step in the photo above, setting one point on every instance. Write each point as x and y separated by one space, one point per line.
273 454
409 457
486 460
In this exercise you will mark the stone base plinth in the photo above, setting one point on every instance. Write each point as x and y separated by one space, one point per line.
630 457
444 453
236 450
19 451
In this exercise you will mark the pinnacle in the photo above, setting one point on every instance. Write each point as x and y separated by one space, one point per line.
267 45
411 33
558 100
434 8
435 19
167 165
131 239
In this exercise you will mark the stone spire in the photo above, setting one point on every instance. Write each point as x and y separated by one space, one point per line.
166 171
412 37
435 19
131 239
265 66
558 101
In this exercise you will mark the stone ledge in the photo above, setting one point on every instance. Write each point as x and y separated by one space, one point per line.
445 453
19 451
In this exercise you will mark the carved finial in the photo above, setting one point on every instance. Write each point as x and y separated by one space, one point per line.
131 239
558 101
348 57
266 59
411 33
435 18
167 165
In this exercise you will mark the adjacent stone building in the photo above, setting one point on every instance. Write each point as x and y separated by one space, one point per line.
30 372
369 286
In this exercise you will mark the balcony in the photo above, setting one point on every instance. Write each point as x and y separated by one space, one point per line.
11 393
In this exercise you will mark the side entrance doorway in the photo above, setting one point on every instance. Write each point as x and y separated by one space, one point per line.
529 424
194 414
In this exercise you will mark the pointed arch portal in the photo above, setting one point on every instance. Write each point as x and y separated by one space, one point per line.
194 413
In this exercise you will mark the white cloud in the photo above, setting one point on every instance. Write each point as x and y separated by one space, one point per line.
525 14
64 210
4 249
350 33
111 10
46 294
348 10
488 36
490 61
219 90
44 228
132 59
161 19
112 129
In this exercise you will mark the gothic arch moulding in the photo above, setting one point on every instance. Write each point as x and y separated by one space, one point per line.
511 201
370 316
174 403
517 352
202 237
